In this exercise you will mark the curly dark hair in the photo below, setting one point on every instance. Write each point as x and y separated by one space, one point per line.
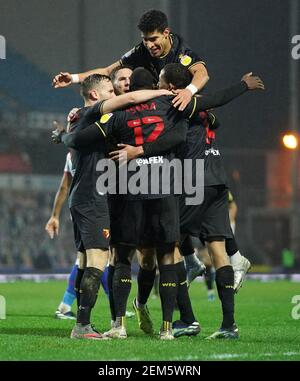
90 82
142 79
153 20
177 74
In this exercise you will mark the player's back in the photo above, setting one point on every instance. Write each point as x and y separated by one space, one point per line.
201 143
83 187
144 123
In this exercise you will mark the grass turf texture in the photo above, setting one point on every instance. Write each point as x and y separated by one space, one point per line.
263 315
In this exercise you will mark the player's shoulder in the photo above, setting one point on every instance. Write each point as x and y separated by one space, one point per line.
136 50
109 117
112 118
163 102
185 54
180 43
165 98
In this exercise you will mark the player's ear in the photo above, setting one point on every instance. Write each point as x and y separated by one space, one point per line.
171 87
93 95
166 32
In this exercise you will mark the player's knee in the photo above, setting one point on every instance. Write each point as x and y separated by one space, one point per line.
147 259
97 258
165 254
124 254
81 258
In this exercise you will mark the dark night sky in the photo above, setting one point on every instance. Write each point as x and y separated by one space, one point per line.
242 37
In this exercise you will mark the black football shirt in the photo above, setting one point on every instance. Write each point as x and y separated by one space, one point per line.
179 53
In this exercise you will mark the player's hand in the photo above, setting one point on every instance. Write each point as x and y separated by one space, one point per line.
52 227
63 79
165 92
253 83
73 115
57 133
182 99
126 153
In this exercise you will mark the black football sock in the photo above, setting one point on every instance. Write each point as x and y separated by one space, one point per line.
231 246
168 286
186 246
78 280
183 298
156 285
110 277
121 287
89 288
145 280
209 277
224 282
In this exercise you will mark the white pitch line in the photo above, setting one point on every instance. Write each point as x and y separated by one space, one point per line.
224 356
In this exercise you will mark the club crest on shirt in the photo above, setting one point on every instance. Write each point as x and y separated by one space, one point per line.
185 60
105 118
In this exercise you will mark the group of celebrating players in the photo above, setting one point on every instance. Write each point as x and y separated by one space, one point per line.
144 109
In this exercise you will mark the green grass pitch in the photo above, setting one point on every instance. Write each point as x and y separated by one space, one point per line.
263 315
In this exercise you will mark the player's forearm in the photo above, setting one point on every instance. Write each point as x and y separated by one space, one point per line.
103 71
128 99
59 200
200 77
221 97
83 76
82 139
167 141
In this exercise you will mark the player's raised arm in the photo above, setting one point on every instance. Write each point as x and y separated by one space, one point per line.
200 79
222 97
64 79
135 97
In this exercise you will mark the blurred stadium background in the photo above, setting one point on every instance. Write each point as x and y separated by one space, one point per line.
233 37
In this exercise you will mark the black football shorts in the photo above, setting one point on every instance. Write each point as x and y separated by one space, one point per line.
91 225
210 219
144 223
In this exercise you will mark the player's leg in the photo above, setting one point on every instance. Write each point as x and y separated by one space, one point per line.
91 220
145 280
168 286
121 289
155 293
225 283
241 265
90 283
194 267
210 272
110 277
187 324
126 221
215 228
146 274
64 310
